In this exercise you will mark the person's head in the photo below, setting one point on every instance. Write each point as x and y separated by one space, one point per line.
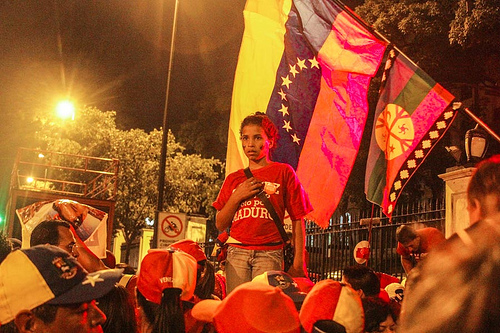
250 308
456 287
408 237
362 279
205 278
44 289
483 192
57 233
380 316
332 306
119 307
258 136
285 282
166 278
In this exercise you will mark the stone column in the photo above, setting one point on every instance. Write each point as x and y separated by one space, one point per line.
456 180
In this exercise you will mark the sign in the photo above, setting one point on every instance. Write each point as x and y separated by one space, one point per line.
172 227
196 229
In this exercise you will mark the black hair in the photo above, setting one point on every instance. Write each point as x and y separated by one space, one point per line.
166 317
362 278
119 308
376 311
47 232
205 280
405 234
484 183
46 312
262 120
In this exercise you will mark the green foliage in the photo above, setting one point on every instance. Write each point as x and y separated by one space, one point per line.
452 40
477 22
192 182
418 28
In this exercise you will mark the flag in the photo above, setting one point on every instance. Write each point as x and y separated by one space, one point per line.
308 64
412 114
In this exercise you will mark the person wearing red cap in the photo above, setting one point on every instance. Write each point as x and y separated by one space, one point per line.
205 278
166 280
255 244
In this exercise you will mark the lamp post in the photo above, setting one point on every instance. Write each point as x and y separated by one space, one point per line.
65 110
476 144
163 157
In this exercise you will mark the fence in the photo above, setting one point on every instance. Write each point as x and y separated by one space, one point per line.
330 250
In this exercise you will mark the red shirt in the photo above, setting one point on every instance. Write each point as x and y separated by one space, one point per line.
252 224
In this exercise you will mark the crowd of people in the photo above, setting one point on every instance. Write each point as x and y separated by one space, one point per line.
452 285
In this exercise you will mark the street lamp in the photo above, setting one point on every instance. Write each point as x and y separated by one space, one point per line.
65 110
476 144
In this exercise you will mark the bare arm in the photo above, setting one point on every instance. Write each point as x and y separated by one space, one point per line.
407 264
87 258
243 191
298 268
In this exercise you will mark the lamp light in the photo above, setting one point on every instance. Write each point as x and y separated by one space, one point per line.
476 144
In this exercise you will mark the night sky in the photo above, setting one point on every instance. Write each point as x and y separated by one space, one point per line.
112 54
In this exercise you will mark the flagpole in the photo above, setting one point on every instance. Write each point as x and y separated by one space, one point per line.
164 142
459 106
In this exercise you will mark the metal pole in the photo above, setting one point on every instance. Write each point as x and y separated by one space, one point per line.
164 142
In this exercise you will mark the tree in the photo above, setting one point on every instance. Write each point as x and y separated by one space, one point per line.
192 182
452 40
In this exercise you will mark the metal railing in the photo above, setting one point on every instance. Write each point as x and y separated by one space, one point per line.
330 250
65 174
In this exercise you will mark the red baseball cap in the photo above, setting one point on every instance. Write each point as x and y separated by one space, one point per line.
166 268
251 308
331 300
190 247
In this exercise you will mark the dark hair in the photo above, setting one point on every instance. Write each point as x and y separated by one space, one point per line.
205 280
484 183
47 232
405 234
46 312
362 278
262 120
118 306
9 327
376 311
167 317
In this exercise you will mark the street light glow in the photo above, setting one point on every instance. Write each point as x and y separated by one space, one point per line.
30 180
65 110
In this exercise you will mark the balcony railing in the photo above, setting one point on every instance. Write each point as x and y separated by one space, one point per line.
65 174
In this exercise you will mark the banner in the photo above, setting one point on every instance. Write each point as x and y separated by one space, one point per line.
88 222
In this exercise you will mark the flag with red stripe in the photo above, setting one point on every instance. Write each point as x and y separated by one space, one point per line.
412 114
314 91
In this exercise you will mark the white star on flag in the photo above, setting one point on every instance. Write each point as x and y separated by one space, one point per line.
301 63
287 125
295 138
293 70
286 82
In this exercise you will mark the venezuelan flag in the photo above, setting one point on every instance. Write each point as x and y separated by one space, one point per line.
308 64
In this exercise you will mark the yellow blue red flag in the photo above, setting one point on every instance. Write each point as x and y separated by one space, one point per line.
308 64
